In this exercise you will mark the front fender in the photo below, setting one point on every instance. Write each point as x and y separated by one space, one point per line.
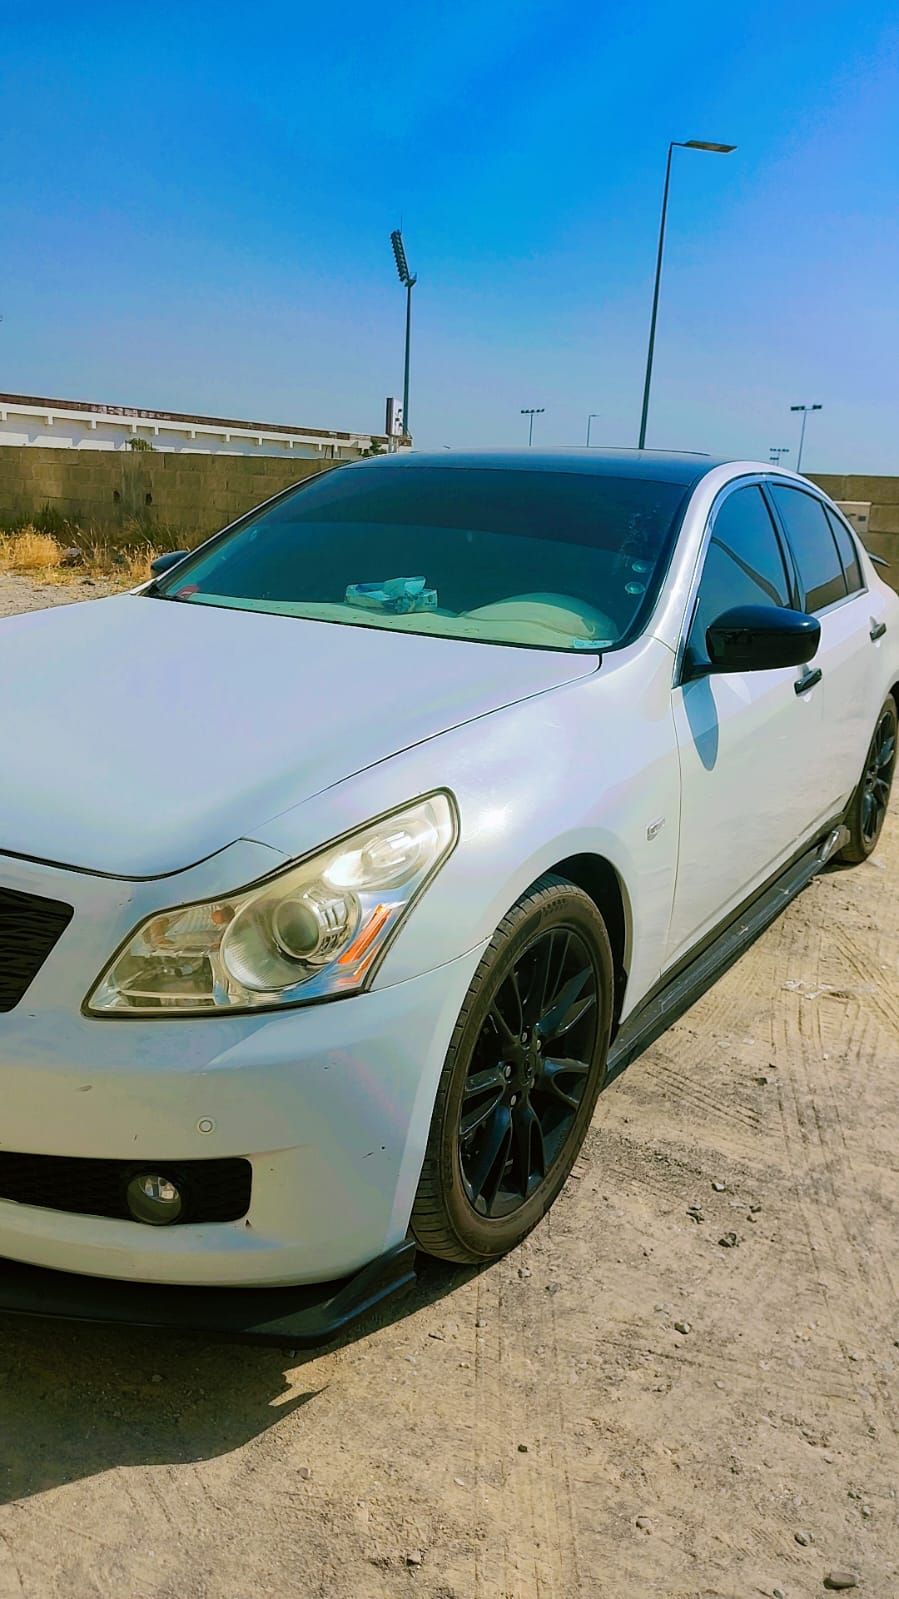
588 768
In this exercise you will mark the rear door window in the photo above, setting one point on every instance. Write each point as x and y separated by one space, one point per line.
814 546
848 552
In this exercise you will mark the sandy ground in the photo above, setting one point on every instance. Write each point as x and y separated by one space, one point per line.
543 1430
32 594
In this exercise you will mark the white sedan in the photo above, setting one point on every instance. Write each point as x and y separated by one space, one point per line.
344 863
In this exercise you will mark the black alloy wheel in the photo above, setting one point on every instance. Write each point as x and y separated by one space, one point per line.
528 1071
878 777
521 1077
867 812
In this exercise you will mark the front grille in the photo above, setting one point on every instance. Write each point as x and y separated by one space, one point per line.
29 927
213 1190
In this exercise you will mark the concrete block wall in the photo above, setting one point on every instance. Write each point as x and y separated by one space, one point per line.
189 496
882 494
108 492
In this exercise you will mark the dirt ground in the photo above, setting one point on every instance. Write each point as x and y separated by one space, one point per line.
32 593
543 1430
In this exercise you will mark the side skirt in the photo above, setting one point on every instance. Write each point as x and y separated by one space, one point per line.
676 993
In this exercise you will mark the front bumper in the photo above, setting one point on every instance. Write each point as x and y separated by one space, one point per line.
304 1317
330 1103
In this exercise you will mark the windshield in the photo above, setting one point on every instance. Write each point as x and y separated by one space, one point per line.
544 559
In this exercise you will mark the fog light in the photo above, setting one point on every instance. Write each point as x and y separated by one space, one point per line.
154 1198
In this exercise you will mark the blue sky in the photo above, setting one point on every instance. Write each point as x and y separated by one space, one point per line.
196 205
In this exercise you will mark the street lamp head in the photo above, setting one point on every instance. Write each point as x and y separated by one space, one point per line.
399 256
706 144
806 408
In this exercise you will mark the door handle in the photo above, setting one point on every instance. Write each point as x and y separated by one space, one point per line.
877 630
807 681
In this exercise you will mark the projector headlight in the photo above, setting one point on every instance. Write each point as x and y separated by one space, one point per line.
313 932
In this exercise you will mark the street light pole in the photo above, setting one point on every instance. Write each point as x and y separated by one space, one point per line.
676 144
530 412
408 282
777 451
591 418
805 411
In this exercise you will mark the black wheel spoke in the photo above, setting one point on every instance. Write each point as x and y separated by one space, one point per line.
496 1016
528 1153
543 975
569 1006
507 1009
481 1095
488 1163
561 1077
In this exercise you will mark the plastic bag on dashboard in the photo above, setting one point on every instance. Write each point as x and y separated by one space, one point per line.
398 595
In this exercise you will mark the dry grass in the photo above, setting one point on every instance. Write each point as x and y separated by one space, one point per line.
27 551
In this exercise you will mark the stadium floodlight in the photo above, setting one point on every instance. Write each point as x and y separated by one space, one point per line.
408 281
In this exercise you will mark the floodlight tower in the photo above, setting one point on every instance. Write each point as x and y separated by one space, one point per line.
408 281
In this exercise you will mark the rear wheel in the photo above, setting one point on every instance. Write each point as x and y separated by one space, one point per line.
524 1067
866 814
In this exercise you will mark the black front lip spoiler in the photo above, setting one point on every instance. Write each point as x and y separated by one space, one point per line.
302 1316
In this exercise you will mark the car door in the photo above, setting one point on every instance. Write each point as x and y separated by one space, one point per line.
744 738
845 695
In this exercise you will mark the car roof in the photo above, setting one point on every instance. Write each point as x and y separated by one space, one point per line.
667 466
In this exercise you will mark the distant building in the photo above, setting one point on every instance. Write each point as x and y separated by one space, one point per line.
82 425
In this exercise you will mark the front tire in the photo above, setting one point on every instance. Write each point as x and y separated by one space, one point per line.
522 1073
867 812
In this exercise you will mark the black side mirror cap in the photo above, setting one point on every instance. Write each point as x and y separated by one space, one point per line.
163 563
756 638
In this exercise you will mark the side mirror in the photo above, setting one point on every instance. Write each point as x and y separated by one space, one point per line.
755 638
163 563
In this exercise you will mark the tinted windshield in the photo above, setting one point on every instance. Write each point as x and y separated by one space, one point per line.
554 560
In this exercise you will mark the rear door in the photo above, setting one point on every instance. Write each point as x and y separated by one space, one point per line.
846 696
745 739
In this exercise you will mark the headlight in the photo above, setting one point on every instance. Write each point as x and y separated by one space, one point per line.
312 932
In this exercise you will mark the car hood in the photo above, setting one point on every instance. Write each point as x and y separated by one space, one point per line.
139 736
